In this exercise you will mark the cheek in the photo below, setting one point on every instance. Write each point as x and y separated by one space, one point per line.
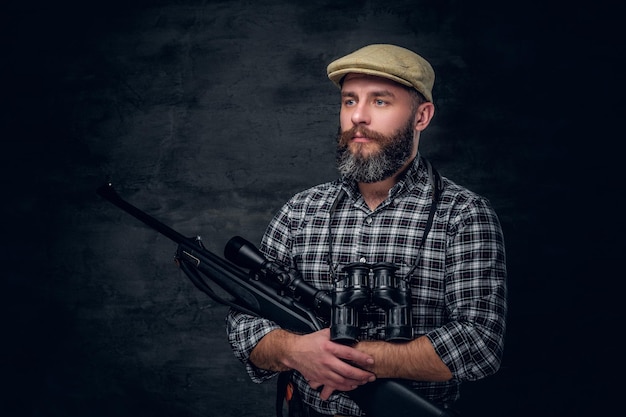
394 122
345 120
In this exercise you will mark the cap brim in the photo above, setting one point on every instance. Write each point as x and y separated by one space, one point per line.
337 76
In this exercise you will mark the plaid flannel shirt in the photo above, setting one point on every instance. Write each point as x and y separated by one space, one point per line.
458 288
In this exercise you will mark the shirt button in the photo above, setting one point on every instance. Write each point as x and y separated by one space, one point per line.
363 259
368 220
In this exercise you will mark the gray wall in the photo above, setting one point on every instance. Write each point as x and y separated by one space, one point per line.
209 115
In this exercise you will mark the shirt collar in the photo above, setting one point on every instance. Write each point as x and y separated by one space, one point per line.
408 180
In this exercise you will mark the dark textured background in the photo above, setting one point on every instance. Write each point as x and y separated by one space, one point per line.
210 114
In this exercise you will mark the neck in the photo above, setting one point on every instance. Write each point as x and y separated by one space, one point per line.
374 193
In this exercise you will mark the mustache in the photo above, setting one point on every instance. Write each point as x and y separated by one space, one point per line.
346 136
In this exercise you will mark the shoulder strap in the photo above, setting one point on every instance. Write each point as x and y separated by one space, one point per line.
437 184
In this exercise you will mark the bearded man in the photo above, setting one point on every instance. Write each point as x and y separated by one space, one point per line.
442 242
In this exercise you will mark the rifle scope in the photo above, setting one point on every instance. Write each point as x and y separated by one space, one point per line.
244 254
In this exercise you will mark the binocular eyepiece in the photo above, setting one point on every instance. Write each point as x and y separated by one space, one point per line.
384 289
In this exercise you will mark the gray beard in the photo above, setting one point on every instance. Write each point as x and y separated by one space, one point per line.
395 151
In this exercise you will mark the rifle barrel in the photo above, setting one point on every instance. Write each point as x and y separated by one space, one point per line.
107 191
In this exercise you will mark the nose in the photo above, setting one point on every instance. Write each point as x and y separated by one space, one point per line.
360 114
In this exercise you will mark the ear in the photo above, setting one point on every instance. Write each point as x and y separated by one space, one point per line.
424 115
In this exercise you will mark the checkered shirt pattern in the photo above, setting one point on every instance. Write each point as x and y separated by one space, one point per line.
458 288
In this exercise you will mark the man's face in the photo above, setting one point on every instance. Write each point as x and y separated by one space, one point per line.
376 136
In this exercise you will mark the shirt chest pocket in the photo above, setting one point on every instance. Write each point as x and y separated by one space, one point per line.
314 268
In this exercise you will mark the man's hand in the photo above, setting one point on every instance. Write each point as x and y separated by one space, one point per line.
321 362
329 364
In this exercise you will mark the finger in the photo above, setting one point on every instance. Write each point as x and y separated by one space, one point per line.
340 383
326 392
314 385
353 356
353 375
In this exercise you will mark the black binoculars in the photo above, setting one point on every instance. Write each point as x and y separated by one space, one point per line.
383 289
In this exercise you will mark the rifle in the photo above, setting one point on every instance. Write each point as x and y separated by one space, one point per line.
267 290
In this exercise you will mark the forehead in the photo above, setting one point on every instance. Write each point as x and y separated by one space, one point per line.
354 82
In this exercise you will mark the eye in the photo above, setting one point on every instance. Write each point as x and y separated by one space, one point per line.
380 102
349 102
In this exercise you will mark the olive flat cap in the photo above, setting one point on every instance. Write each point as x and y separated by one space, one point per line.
388 61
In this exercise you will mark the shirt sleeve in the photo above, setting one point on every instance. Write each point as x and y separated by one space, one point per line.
245 331
471 342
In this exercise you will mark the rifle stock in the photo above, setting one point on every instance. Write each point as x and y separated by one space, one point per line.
266 298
